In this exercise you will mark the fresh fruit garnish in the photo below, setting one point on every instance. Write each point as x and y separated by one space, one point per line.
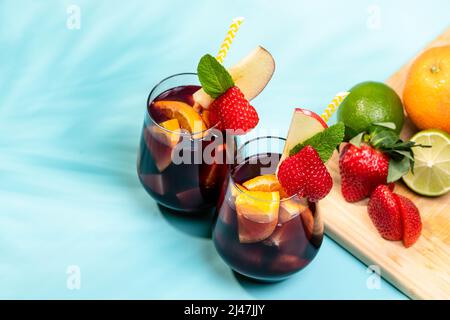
369 103
161 140
173 131
427 90
257 213
432 165
290 208
187 117
304 125
251 75
374 158
412 224
230 110
324 142
214 78
234 112
267 183
237 189
385 214
306 175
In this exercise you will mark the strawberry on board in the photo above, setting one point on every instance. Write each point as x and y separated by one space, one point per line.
412 224
385 214
373 158
394 216
362 170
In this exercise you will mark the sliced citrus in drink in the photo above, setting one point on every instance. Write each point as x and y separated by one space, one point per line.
257 213
266 183
432 165
172 132
161 140
187 117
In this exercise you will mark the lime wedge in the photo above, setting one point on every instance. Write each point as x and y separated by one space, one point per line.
432 166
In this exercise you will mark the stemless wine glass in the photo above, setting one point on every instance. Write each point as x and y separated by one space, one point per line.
181 170
258 234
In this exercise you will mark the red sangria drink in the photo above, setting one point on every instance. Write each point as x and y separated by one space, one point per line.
175 165
187 141
260 231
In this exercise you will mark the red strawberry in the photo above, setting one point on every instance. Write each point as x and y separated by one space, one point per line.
412 224
234 111
306 175
362 170
385 214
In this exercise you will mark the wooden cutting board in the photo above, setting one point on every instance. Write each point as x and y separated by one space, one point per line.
421 271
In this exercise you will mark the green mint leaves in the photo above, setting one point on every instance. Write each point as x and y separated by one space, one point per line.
324 142
214 78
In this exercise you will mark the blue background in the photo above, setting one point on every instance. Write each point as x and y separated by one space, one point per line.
71 109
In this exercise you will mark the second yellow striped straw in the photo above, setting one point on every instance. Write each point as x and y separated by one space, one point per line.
334 104
234 27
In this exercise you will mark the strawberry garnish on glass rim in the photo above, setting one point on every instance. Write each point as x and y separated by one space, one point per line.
230 110
302 170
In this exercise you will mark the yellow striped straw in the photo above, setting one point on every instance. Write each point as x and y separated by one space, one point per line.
334 104
226 44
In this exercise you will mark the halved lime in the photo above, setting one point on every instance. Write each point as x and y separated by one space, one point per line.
432 167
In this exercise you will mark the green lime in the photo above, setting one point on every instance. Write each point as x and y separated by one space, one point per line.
369 103
432 165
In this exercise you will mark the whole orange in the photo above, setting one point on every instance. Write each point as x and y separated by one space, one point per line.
426 96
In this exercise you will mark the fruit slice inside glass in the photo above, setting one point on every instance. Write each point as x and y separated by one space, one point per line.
259 233
172 163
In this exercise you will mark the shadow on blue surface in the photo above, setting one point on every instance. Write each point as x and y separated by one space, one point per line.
197 224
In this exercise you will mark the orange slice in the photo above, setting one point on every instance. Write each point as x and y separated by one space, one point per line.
266 183
187 117
161 140
257 213
173 131
235 189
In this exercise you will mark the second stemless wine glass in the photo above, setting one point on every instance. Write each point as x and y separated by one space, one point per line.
171 162
260 235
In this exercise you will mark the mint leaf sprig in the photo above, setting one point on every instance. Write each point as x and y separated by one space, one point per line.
213 76
383 138
324 142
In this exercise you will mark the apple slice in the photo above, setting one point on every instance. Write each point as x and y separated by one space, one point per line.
291 208
304 125
251 75
257 213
